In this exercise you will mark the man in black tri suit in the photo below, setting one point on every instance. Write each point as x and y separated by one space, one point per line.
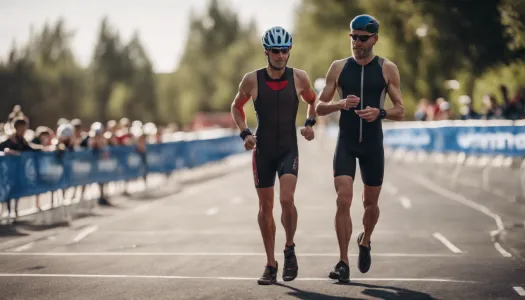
362 82
275 91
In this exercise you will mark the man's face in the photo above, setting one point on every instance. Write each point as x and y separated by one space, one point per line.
362 43
20 130
278 57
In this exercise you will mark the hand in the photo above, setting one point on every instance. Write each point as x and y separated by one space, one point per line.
351 101
9 151
308 133
369 113
249 142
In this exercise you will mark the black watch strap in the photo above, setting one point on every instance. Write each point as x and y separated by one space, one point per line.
382 113
309 122
245 133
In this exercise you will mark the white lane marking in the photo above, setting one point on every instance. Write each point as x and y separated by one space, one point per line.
24 247
218 278
519 290
461 199
446 242
212 211
390 188
500 249
405 202
211 254
237 200
84 233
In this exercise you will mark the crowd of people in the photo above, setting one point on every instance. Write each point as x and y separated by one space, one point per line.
16 136
71 135
510 108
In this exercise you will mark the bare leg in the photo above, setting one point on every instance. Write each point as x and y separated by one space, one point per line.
343 221
267 223
288 183
371 215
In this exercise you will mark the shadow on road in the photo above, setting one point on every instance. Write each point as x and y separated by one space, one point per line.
307 295
390 292
375 291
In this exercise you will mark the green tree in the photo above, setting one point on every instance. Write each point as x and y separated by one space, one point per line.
109 67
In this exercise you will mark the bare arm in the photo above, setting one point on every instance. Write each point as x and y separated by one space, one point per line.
308 94
397 112
325 106
243 96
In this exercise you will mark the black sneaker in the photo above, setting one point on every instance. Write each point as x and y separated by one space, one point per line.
341 272
290 264
365 260
335 273
269 276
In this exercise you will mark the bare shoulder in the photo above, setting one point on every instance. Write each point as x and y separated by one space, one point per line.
301 74
389 67
336 67
250 77
249 80
339 63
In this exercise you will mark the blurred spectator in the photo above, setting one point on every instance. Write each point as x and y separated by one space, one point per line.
466 109
422 110
78 134
97 143
492 109
96 137
123 134
513 109
43 136
66 138
16 142
111 133
442 109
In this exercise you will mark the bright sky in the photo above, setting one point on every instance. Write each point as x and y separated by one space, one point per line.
162 23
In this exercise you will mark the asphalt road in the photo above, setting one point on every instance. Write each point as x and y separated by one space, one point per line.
203 242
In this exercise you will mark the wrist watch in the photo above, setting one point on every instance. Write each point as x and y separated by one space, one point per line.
309 122
245 133
382 113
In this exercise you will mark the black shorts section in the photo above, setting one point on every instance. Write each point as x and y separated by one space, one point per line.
265 167
371 163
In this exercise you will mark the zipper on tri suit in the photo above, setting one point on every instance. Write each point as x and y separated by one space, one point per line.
278 119
362 99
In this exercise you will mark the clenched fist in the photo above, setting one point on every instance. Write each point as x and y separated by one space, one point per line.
308 133
249 142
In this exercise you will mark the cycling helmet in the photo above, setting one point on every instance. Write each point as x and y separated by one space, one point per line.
366 23
276 37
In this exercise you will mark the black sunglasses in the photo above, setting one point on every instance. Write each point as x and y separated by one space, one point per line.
282 50
362 38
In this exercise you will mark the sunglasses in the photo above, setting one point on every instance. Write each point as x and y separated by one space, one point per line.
362 38
282 50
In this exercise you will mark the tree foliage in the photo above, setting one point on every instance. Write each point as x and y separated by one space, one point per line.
478 43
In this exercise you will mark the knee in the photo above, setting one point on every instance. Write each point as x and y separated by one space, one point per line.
370 204
344 198
266 207
287 200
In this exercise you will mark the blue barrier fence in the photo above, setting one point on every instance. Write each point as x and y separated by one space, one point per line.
476 137
33 173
